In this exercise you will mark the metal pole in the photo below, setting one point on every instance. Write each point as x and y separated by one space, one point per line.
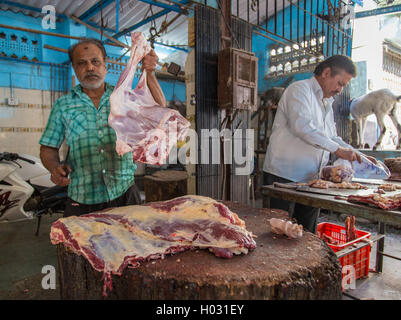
275 16
317 30
283 11
117 14
380 247
304 39
290 21
258 12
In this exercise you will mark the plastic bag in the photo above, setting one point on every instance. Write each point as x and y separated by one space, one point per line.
367 169
337 173
142 126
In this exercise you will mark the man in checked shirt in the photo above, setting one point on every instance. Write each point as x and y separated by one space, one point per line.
96 176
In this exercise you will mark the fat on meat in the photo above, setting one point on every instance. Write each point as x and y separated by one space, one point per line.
114 238
141 125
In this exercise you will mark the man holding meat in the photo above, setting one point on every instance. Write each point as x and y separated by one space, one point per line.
304 133
96 176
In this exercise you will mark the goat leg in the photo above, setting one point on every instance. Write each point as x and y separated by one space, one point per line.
380 121
397 125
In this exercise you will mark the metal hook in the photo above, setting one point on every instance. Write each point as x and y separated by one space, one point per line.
254 5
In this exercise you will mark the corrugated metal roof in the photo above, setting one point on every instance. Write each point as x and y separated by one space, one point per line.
130 13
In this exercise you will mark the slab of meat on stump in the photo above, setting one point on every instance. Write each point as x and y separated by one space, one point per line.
115 238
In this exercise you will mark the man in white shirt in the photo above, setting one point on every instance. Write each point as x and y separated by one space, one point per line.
304 133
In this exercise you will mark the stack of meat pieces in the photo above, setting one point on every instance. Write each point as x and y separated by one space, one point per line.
141 125
115 238
323 184
350 231
382 202
387 187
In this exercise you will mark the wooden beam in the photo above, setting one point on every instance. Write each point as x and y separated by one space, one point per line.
163 5
159 74
66 51
40 32
119 43
47 33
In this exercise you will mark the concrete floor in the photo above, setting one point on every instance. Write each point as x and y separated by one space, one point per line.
23 255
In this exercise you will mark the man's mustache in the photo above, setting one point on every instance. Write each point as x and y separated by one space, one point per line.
91 74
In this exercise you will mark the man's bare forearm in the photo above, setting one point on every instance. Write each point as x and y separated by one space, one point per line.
50 157
51 160
155 89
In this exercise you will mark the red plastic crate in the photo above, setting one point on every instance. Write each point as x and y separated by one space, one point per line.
359 258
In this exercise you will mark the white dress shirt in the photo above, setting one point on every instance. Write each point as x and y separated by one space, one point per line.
304 133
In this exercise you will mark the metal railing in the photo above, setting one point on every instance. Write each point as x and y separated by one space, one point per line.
299 24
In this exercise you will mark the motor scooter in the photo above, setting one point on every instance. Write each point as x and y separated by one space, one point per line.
26 190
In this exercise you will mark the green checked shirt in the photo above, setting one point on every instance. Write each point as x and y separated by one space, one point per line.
98 173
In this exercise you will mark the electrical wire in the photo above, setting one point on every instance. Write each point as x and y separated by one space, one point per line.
101 20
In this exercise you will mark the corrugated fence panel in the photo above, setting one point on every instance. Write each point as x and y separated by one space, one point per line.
239 190
207 41
208 115
341 110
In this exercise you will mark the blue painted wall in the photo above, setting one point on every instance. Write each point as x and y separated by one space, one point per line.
33 75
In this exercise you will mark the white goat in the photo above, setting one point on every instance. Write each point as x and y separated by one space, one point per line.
381 103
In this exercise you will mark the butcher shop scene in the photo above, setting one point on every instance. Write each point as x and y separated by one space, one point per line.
221 152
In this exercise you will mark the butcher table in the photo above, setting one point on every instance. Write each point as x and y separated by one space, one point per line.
328 202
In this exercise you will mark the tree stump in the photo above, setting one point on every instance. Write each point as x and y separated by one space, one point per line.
165 185
279 268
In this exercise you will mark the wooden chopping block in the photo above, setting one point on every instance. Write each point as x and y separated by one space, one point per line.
165 185
279 268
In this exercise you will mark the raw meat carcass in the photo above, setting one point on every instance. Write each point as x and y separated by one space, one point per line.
329 239
337 174
115 238
288 228
389 187
383 202
141 125
350 231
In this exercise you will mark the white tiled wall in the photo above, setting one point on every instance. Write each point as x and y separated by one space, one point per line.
21 126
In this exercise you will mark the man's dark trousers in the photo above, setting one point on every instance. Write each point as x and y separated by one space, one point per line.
304 215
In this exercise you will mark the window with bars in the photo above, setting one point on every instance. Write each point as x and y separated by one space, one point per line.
391 62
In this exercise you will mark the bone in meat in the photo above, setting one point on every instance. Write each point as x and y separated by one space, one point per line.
141 125
288 228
